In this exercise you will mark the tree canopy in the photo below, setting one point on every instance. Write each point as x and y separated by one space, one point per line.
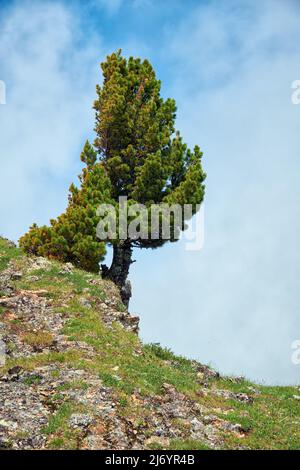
137 154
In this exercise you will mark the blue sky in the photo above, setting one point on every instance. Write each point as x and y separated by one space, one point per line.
229 65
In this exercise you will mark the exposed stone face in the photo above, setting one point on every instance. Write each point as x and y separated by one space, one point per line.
241 397
32 329
25 398
27 401
80 420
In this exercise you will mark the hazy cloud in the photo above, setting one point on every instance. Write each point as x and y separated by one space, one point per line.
50 84
230 65
235 303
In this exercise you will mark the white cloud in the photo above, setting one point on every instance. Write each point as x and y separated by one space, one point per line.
236 301
50 86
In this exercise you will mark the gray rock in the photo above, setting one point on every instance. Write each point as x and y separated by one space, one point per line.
16 276
197 425
232 427
228 395
85 302
67 268
79 420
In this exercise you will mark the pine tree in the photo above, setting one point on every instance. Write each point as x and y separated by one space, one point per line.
72 236
137 154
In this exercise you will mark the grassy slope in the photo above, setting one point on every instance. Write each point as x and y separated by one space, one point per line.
272 421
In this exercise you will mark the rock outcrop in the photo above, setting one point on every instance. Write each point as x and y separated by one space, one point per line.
75 375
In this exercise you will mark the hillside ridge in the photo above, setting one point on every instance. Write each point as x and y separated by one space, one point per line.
75 375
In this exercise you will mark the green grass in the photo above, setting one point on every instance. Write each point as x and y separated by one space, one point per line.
59 284
57 443
32 380
124 364
38 338
62 436
271 422
69 357
7 254
188 444
74 385
59 421
116 347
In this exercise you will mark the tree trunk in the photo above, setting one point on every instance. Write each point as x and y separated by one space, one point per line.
119 269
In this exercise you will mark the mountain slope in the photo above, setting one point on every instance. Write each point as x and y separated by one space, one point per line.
75 375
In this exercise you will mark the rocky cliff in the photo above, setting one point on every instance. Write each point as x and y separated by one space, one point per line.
75 375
